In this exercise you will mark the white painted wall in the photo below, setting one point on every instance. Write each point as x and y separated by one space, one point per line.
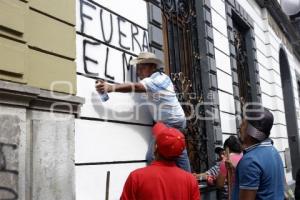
113 140
225 89
91 180
113 135
107 142
268 46
272 91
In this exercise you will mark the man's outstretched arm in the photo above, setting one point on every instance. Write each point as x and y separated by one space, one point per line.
102 86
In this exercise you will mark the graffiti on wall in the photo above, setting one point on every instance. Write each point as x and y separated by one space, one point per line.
106 42
9 140
7 193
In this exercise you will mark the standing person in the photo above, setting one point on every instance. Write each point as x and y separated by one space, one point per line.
228 164
163 103
259 174
162 180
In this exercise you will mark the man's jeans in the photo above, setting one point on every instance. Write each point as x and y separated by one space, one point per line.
182 161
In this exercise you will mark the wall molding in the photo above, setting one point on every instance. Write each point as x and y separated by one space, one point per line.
15 94
282 20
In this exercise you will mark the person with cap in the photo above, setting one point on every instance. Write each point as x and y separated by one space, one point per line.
162 180
260 173
162 99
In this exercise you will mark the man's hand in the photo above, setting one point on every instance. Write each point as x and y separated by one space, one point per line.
102 86
201 176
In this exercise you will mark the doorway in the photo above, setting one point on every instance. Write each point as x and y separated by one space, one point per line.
290 110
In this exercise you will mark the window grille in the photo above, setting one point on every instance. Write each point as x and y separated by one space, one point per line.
182 61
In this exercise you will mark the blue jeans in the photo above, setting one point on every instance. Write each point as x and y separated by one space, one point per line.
182 161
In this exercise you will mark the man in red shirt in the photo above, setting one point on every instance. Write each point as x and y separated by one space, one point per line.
162 180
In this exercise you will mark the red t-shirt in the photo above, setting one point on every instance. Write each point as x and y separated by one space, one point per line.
160 181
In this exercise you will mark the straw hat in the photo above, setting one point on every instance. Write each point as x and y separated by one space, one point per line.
146 57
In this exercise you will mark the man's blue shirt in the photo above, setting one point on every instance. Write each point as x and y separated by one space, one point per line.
260 169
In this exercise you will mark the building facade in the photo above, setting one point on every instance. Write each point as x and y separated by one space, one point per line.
59 141
38 105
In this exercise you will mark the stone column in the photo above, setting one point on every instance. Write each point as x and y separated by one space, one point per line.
12 152
36 143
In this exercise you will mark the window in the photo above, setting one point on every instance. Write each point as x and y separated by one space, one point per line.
244 64
240 45
182 61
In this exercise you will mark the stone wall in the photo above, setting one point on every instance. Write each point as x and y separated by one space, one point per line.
36 144
12 152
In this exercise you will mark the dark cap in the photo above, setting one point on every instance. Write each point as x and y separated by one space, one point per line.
260 120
